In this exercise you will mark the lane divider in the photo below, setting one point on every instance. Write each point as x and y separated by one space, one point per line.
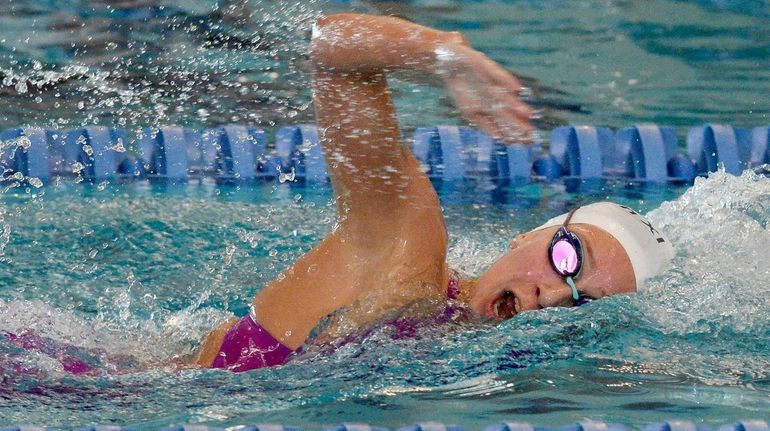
234 154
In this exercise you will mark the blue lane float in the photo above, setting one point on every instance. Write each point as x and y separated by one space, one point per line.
719 144
581 154
581 150
26 150
299 154
97 153
239 152
644 151
746 425
452 153
163 153
355 427
514 426
760 146
268 427
431 426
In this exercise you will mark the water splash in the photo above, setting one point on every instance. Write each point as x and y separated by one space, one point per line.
720 228
140 278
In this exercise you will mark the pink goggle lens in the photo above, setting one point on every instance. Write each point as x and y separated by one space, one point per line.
564 257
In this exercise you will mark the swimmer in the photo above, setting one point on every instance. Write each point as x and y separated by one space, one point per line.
389 247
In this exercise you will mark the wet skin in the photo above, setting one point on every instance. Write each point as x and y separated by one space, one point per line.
523 278
389 247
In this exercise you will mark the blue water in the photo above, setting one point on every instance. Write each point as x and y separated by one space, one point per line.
135 275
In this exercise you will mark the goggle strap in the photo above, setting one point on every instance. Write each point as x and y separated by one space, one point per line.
569 217
571 283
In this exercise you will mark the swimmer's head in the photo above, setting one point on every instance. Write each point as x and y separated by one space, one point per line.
619 250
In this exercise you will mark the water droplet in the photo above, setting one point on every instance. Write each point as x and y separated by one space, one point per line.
229 253
284 177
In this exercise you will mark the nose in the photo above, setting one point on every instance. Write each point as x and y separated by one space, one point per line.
555 295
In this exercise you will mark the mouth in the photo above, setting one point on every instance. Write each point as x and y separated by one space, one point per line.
506 305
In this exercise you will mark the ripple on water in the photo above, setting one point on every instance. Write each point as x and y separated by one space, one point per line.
170 268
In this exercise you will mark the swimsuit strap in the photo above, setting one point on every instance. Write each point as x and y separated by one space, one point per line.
453 287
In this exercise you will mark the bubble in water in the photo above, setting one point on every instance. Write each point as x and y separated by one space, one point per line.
284 177
21 87
35 182
5 237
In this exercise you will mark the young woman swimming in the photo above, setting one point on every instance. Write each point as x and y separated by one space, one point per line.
390 244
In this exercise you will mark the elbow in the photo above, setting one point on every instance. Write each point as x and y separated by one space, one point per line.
334 44
315 41
322 41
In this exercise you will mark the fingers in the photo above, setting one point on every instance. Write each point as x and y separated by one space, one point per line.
487 95
506 89
510 118
513 120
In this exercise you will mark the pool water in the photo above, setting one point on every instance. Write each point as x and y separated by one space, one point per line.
135 64
133 276
136 275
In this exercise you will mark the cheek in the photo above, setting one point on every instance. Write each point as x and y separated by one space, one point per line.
611 282
519 263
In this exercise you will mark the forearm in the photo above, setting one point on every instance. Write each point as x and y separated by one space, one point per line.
353 42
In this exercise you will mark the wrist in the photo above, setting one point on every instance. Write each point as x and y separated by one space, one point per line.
446 51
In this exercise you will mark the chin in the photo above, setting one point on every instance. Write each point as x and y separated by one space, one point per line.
476 304
479 304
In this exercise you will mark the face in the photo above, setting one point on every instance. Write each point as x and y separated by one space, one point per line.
523 279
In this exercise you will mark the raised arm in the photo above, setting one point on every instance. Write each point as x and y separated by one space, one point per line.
369 166
390 245
391 233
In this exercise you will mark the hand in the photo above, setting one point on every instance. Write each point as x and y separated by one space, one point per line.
485 93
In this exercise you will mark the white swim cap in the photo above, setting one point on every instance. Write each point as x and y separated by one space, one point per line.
649 250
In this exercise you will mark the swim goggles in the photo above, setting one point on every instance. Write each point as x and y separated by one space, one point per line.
566 256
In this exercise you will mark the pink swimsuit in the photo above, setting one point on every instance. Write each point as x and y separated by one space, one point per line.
248 346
